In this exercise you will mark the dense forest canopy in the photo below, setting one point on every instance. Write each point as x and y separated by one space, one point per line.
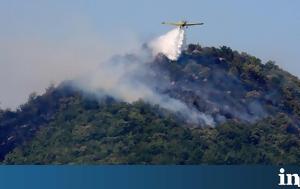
255 106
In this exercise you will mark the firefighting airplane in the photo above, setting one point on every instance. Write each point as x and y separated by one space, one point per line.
182 24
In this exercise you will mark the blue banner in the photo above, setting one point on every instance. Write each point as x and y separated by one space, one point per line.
141 177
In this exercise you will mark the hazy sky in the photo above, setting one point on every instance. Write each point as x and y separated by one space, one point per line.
48 41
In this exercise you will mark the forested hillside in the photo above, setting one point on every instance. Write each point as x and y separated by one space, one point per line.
255 107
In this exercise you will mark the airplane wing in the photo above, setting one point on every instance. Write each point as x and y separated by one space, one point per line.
172 23
194 24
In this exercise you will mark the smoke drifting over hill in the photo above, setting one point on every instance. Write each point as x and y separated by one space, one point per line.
199 88
197 84
131 78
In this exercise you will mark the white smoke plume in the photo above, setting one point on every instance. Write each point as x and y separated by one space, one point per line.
170 44
42 61
129 78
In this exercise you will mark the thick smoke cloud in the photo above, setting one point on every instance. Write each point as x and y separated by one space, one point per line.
31 65
130 78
